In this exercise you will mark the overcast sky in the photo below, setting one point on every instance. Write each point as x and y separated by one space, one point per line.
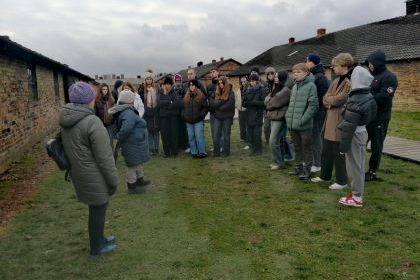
107 36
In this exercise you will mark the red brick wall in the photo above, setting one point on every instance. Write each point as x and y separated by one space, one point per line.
25 121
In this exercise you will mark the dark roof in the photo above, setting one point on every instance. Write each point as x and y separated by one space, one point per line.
17 51
398 37
204 69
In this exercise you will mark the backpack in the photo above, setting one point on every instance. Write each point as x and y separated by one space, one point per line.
55 150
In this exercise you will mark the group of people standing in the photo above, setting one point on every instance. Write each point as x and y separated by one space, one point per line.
330 124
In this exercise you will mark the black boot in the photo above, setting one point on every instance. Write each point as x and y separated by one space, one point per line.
141 182
297 171
134 188
306 173
370 176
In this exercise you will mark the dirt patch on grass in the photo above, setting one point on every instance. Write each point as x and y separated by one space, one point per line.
19 183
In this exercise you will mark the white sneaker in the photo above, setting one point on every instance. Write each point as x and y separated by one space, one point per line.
246 147
187 150
336 186
315 168
317 180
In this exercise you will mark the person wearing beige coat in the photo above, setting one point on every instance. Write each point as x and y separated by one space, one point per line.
334 101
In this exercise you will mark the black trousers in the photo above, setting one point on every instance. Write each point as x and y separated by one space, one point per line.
169 131
376 135
302 143
254 134
96 225
242 125
267 127
330 158
183 135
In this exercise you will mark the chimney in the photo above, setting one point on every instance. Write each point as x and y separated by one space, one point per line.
122 76
320 32
291 40
412 7
96 77
5 37
222 58
113 76
138 76
213 61
200 63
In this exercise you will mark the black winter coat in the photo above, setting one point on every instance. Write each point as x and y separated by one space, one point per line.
360 109
322 84
195 111
170 104
223 109
254 104
383 86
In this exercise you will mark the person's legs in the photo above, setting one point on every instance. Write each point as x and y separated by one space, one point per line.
212 128
165 133
267 127
377 133
307 140
339 165
191 139
199 136
151 141
275 142
242 125
226 132
317 142
257 139
96 226
173 135
156 141
217 130
327 160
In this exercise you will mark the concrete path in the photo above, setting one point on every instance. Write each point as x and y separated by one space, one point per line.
402 148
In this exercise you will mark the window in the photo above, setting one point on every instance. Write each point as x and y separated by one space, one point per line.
33 88
56 85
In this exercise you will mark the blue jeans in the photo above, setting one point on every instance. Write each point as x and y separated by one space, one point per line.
213 131
196 138
277 145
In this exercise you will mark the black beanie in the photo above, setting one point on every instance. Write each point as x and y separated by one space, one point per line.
168 80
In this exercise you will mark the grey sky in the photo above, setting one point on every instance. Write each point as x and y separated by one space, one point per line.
108 36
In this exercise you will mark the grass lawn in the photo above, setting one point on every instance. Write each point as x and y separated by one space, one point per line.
405 125
223 219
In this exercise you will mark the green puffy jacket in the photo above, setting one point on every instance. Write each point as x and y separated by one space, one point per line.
303 105
86 143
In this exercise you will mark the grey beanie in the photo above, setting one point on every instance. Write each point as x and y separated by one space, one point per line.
126 97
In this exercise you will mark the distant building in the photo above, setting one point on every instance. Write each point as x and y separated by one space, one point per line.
33 88
399 37
226 67
110 79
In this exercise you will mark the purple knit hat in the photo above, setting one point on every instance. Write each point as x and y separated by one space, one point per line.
81 93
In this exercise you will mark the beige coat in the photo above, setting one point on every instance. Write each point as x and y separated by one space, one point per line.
334 101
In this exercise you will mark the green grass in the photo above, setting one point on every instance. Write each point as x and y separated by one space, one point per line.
405 125
223 219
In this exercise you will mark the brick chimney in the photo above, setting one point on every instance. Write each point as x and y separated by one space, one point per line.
412 7
200 63
96 77
213 61
320 32
291 40
222 58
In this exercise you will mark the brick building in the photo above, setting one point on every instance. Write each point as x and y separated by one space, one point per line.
399 37
32 90
226 67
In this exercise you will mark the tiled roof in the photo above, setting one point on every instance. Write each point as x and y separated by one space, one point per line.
17 51
204 69
399 37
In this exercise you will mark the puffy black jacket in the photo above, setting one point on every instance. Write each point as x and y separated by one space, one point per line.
383 86
196 109
360 109
254 104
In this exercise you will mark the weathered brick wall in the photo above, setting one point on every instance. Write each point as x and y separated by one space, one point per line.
225 70
25 121
407 96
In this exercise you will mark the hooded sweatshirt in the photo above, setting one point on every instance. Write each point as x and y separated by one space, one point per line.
383 86
360 108
86 143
